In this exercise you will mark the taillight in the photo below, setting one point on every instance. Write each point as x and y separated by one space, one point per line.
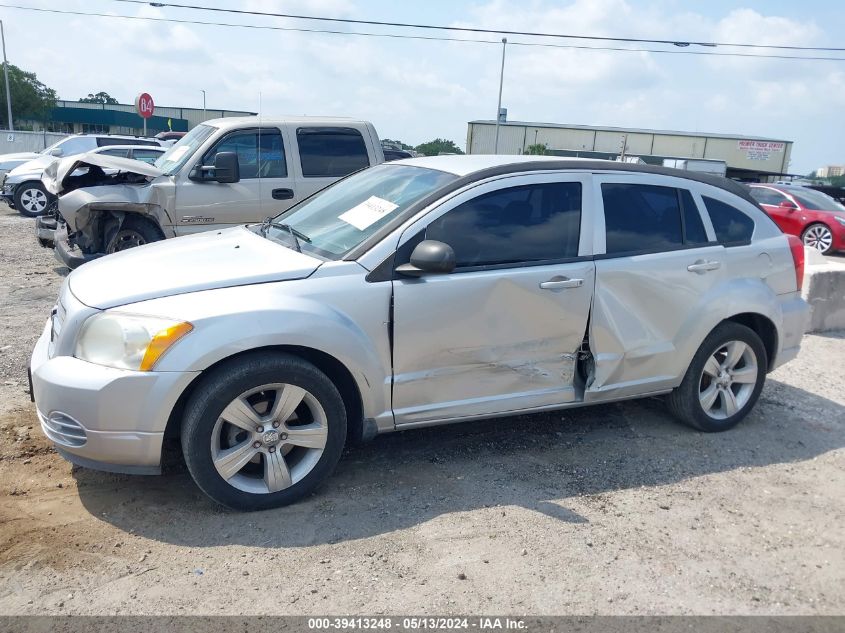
796 246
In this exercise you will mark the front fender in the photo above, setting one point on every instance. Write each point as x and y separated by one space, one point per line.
230 321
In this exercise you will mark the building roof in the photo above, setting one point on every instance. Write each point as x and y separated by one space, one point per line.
632 130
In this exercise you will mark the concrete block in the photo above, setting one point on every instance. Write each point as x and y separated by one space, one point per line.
824 290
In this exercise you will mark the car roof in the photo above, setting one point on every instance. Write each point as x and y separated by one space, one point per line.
135 146
478 166
229 122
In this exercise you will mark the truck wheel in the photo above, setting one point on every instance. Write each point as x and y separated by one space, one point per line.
133 232
263 431
32 199
723 381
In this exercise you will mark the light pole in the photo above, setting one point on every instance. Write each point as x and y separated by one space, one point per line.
6 75
499 106
203 103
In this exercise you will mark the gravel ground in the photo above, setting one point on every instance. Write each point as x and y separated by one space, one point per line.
612 509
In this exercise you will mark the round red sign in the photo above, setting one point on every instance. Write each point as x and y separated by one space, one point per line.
144 105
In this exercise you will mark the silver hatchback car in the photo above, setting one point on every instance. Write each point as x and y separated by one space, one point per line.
419 292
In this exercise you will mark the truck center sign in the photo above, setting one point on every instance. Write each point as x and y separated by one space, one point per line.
760 150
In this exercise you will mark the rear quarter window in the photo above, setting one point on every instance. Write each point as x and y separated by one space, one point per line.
331 152
732 226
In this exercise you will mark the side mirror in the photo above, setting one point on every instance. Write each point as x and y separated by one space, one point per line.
226 167
429 257
56 151
788 204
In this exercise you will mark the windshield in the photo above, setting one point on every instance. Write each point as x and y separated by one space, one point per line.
339 218
816 200
172 160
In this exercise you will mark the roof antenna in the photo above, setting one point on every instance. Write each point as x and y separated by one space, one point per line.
258 163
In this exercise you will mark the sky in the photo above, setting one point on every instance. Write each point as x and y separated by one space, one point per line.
416 90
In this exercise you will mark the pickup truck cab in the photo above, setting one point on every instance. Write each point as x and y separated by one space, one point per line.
222 173
414 293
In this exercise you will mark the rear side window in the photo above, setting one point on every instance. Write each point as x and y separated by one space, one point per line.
331 152
732 226
102 141
641 218
515 225
146 155
116 152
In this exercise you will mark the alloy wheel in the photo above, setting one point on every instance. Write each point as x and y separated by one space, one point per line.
269 438
33 200
818 237
728 380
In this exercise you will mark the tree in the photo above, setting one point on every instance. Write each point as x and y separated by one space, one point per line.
537 149
389 142
101 97
31 99
438 146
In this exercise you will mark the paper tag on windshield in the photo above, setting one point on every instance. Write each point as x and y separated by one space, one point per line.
368 212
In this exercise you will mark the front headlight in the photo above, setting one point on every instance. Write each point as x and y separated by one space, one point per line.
839 219
128 341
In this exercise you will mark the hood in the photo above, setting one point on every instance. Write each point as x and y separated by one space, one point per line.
32 167
56 172
10 160
204 261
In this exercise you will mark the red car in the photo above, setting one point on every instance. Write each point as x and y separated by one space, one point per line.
816 218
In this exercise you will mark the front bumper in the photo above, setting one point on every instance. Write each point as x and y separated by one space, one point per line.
103 418
45 230
65 252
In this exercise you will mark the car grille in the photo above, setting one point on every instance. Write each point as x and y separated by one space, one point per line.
63 429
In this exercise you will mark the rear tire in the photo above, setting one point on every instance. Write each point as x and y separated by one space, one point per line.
723 381
135 231
32 199
263 431
819 237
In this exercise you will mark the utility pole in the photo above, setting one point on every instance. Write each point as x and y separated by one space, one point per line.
499 106
203 103
6 75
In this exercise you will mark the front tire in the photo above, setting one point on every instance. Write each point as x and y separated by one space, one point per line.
263 431
723 380
134 231
32 199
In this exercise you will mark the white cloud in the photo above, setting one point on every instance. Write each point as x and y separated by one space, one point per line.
416 90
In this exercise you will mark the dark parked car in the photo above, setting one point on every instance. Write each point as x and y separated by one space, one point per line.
396 154
837 193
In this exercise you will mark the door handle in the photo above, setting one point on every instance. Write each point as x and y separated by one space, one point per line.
558 283
282 194
701 266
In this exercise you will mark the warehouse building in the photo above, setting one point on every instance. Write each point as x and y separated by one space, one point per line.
76 117
747 158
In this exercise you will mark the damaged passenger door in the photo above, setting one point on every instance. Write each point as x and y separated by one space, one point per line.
499 333
657 263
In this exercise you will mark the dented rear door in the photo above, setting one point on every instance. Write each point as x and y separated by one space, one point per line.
501 332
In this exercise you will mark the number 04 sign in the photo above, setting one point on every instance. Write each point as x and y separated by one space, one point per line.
145 107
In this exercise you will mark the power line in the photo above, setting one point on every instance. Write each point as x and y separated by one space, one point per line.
467 29
421 37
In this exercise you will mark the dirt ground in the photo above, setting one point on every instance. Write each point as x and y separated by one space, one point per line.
610 510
